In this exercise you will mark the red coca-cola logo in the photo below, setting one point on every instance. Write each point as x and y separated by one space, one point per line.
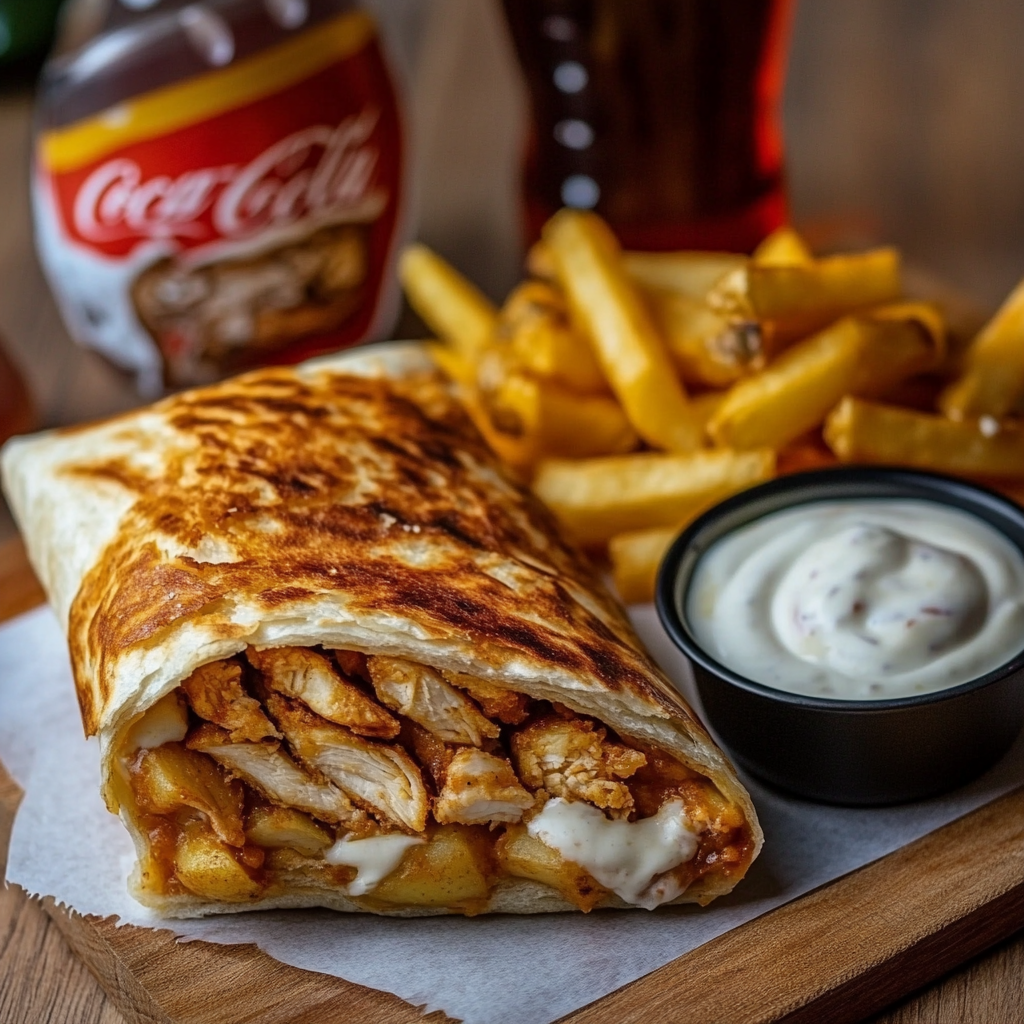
313 170
325 148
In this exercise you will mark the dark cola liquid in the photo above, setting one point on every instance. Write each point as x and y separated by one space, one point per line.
661 115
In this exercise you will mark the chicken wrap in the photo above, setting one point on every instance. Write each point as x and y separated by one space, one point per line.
336 657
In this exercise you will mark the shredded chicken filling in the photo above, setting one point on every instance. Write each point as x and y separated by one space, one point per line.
260 766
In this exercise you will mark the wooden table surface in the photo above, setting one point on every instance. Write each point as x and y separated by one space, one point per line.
41 981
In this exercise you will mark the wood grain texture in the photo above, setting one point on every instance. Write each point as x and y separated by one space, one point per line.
838 954
851 947
41 981
988 990
19 588
142 970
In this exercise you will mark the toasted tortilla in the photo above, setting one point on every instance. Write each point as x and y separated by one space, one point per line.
347 503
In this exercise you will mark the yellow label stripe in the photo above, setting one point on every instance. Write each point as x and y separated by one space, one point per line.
183 103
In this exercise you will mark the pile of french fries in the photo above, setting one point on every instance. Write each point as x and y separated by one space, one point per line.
635 390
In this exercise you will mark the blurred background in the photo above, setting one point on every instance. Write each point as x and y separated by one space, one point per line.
901 125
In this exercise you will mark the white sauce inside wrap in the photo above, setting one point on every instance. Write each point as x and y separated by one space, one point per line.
374 858
626 857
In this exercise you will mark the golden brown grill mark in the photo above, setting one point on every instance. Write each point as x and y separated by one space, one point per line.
117 470
322 485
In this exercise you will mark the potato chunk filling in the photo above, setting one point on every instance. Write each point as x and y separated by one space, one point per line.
261 768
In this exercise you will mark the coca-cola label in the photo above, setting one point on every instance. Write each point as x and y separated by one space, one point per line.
243 217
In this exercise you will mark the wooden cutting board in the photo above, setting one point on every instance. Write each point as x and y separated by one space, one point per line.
838 954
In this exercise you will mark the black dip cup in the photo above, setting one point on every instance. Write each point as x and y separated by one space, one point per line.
852 752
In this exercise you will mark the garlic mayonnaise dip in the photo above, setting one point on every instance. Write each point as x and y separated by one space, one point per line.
860 599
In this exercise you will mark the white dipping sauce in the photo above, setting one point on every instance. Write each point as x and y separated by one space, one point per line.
860 599
626 857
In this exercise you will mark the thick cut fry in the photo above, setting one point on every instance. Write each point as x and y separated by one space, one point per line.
993 379
706 404
632 355
517 451
859 431
558 353
448 303
783 248
789 302
539 262
685 272
692 274
454 363
534 323
859 355
706 348
636 555
635 558
464 372
598 498
550 421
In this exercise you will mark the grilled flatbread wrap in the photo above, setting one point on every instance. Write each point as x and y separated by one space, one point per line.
335 657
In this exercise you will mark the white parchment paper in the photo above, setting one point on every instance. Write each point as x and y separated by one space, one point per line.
484 970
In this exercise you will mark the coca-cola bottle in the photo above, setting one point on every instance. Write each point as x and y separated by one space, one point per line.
220 185
661 115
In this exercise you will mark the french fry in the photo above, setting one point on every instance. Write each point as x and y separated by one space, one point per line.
964 317
632 356
789 302
534 323
858 355
860 431
783 248
549 421
453 363
449 304
539 262
993 378
595 499
706 404
515 451
706 348
886 367
692 274
635 559
685 272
